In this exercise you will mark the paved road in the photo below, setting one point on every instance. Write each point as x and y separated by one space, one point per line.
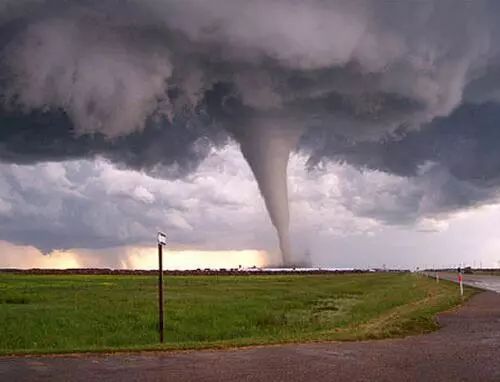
486 282
467 348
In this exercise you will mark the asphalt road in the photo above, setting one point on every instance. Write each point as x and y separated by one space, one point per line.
467 348
486 282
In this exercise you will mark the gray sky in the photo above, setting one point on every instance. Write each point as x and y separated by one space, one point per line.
118 121
340 215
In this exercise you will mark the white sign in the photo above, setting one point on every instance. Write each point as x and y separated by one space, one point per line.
162 238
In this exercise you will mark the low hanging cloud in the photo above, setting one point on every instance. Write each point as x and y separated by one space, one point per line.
408 89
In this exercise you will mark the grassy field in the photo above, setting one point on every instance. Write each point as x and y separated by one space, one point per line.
48 314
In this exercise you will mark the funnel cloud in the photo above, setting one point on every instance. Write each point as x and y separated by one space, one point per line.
266 146
409 89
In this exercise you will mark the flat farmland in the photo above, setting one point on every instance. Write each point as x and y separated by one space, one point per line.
79 313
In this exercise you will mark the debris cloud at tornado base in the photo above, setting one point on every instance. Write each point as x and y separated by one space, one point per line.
154 84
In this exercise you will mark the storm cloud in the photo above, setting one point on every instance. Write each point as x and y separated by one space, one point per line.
409 89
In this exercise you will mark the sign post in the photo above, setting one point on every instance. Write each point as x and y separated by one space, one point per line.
460 282
162 240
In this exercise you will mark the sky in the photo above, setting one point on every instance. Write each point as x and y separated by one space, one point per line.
325 133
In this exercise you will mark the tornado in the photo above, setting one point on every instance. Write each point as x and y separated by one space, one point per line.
266 146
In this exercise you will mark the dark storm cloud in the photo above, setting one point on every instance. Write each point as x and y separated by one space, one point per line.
167 148
153 84
465 142
459 153
358 69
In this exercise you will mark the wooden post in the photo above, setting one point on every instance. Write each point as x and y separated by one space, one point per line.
160 290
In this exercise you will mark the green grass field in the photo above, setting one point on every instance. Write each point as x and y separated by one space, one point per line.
50 314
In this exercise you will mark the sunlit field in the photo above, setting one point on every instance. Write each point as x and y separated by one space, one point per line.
43 314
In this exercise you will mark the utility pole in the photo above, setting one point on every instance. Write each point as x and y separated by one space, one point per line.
162 240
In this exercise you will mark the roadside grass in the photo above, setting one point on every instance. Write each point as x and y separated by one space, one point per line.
74 313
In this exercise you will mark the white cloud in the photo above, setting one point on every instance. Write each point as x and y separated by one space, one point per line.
95 204
432 225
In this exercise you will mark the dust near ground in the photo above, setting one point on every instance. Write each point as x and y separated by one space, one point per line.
467 348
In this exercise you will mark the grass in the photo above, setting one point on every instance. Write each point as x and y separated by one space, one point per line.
56 314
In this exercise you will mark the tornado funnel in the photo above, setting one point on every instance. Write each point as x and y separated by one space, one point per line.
266 146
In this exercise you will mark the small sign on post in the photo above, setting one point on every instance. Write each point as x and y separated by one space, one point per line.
162 240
